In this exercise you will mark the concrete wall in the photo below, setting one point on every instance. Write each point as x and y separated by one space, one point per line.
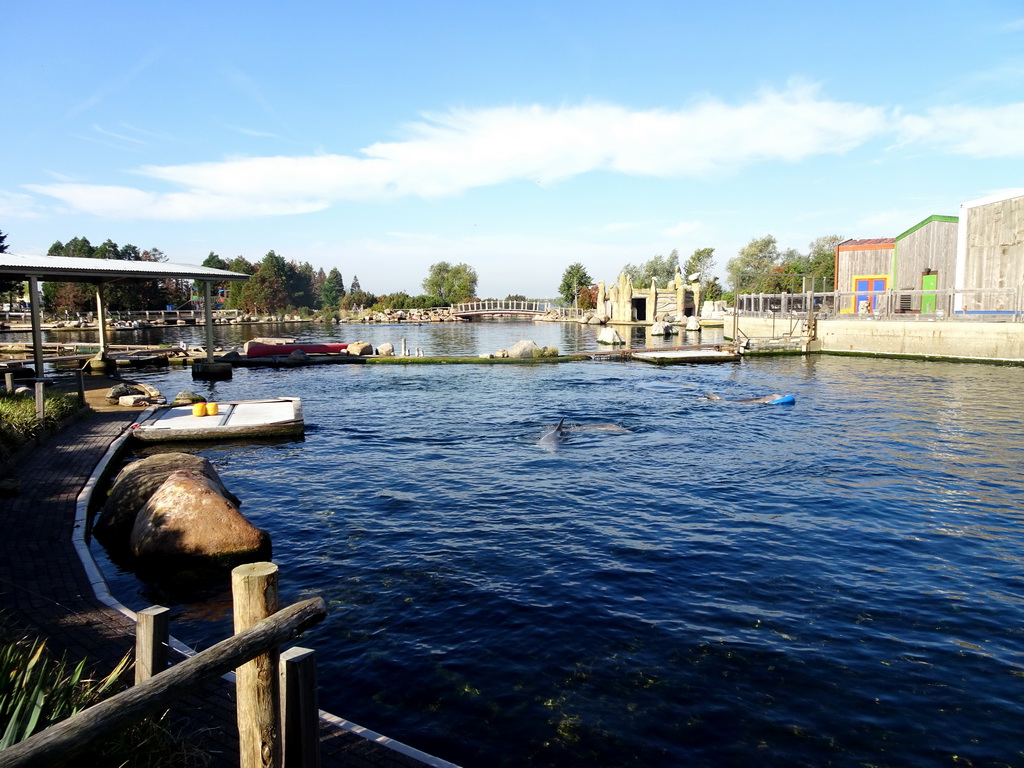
947 339
959 340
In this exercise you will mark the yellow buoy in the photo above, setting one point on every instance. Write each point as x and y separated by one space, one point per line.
211 409
199 409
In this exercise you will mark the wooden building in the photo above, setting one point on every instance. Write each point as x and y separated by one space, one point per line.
864 265
925 260
990 254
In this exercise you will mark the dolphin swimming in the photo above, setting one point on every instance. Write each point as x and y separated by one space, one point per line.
555 435
773 399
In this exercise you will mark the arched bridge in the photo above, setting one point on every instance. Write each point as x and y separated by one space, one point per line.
504 307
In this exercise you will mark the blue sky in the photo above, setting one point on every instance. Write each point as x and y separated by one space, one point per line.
515 137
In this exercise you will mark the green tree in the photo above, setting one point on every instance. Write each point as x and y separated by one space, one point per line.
822 258
266 291
574 279
12 287
299 284
700 263
755 261
712 291
659 269
213 261
69 298
333 290
451 283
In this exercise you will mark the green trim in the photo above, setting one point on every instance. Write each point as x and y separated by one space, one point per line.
929 220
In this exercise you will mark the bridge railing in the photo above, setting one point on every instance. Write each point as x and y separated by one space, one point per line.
500 306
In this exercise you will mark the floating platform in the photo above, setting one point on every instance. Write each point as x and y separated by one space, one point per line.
676 356
279 417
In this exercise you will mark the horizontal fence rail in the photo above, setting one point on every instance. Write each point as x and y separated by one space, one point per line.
892 304
501 307
60 743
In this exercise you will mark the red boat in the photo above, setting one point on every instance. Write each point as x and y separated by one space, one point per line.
254 349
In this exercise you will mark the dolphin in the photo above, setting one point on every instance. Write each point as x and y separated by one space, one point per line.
766 399
555 435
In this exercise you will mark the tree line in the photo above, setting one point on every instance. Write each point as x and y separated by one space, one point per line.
277 285
759 267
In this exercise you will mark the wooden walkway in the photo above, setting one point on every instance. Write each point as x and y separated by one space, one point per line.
45 591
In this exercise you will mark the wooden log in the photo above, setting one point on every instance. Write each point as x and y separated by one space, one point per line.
152 634
254 591
64 741
300 711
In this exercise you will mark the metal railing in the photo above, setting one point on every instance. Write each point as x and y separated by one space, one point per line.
977 304
497 307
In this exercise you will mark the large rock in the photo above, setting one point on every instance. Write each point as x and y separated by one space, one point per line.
661 328
187 397
188 516
609 336
116 392
525 349
134 485
361 348
387 349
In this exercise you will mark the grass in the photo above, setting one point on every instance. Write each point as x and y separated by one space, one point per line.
18 423
38 690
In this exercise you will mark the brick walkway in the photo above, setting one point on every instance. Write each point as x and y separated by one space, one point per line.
45 591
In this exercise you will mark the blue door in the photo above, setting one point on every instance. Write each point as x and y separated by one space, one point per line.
868 284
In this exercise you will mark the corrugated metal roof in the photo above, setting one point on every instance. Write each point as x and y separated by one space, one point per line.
76 269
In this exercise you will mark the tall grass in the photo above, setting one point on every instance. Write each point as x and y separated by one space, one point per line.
18 423
37 691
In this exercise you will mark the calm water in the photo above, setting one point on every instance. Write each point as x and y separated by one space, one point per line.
837 582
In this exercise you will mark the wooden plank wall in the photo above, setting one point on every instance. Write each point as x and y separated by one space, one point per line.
933 246
868 261
995 251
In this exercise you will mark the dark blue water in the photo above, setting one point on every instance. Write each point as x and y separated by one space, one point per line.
837 582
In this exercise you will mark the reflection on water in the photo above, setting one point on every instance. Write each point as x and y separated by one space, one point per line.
836 582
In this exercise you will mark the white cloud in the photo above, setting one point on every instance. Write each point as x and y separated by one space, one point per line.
17 206
971 131
448 154
127 202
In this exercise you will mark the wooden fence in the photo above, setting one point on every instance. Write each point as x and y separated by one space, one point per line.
274 730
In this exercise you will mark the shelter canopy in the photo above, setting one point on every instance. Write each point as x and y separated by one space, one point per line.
72 269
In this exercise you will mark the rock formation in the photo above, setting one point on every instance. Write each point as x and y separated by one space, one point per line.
136 483
189 516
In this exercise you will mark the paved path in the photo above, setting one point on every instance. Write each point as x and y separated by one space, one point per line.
45 591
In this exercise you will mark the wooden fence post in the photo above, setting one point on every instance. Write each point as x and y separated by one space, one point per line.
152 634
300 712
254 591
40 400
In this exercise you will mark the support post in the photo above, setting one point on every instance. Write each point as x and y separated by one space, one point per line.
208 319
9 381
254 592
300 711
152 635
40 401
101 319
37 324
80 381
